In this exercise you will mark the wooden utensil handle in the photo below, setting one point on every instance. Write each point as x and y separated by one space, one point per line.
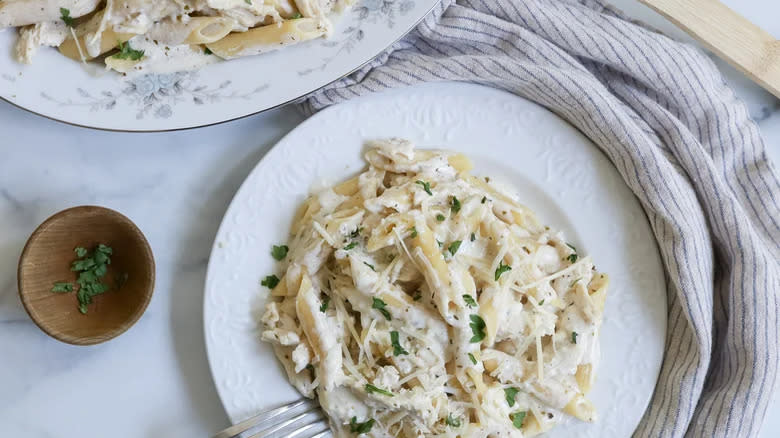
729 35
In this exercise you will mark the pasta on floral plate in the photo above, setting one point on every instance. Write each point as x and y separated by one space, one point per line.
163 36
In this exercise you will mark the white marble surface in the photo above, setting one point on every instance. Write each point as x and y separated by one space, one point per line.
154 380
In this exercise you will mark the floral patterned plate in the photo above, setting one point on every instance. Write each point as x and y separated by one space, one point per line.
58 88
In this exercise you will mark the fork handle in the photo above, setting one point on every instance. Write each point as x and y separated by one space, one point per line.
729 35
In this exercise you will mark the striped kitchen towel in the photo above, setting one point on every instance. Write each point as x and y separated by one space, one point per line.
684 144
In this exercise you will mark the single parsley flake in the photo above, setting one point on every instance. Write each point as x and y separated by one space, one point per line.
270 281
62 287
397 348
572 258
350 246
127 52
518 418
455 205
373 389
380 305
501 269
510 394
68 20
477 328
360 428
426 186
324 305
452 421
279 252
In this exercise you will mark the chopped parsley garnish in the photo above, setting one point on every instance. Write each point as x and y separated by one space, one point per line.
279 252
270 281
360 428
92 267
62 287
373 389
572 257
501 269
453 248
517 419
510 394
397 348
380 306
350 246
426 186
469 300
484 199
541 302
440 243
417 296
249 2
207 51
296 16
370 266
455 205
452 421
414 232
477 328
440 217
574 337
127 52
473 359
473 237
324 305
68 20
355 234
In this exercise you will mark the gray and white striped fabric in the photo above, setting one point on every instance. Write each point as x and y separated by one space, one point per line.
684 144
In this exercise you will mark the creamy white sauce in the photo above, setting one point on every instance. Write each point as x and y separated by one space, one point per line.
401 322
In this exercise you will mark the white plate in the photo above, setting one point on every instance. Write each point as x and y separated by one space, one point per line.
58 88
560 175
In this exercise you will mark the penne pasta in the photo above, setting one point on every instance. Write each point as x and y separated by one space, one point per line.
268 38
91 39
164 36
426 309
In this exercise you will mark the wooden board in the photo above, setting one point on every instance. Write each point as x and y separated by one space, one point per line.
729 35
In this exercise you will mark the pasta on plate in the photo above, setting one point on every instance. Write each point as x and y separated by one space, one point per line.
164 35
418 300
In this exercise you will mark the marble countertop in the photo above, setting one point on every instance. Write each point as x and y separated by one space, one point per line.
154 380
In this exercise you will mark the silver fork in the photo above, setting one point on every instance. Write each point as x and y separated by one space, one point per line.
301 419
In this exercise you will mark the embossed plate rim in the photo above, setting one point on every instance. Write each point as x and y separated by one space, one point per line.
445 115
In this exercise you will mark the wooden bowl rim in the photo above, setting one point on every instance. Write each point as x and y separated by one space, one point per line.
125 325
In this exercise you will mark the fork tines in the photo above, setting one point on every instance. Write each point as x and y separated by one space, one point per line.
301 419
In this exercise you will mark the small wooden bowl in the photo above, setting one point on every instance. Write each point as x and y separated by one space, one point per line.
47 257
